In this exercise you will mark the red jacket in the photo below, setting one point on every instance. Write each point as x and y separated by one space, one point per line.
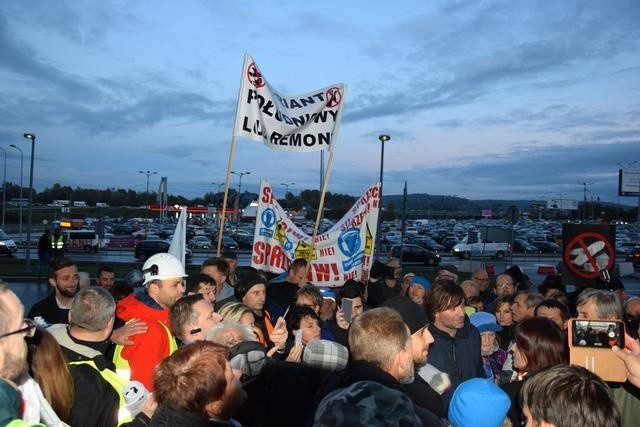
148 349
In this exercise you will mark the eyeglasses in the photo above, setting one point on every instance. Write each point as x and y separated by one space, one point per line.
29 331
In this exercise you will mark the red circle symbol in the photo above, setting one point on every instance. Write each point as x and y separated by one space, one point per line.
334 97
254 76
582 241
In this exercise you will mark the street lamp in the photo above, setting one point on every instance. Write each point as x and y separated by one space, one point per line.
286 185
148 174
31 137
383 138
21 162
4 186
240 174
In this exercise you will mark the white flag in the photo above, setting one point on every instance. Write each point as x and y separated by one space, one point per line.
307 122
179 240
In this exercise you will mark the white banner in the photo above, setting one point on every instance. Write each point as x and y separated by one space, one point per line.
341 253
306 122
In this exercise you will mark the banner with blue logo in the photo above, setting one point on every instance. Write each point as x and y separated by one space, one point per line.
339 254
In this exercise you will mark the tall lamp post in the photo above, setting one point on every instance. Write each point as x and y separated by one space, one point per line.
286 185
4 186
31 137
148 174
383 138
21 163
240 174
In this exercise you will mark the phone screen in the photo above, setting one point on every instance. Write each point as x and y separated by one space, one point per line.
298 336
597 333
347 309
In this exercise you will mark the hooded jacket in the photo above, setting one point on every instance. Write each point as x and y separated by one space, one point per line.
150 348
457 356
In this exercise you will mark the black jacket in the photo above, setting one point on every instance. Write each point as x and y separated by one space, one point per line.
423 395
458 356
359 370
170 416
48 309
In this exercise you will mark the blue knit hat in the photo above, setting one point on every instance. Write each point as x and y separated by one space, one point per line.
422 281
478 402
485 322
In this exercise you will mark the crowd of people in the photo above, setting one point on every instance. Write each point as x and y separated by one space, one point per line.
230 346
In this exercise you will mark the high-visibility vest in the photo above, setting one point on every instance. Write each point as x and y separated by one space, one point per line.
22 423
57 242
118 384
123 369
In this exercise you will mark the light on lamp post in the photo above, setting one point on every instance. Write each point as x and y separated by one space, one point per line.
31 137
148 174
383 138
21 163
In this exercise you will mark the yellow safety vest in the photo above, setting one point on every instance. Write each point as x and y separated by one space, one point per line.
57 243
123 369
118 383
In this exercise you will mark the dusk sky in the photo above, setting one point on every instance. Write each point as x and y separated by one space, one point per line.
482 99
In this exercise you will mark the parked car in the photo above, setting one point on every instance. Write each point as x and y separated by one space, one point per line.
547 247
428 243
7 245
522 246
392 237
634 256
415 254
200 242
229 243
146 248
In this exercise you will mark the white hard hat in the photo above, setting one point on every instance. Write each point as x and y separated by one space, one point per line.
162 266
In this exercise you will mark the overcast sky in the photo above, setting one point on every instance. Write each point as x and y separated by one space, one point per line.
489 99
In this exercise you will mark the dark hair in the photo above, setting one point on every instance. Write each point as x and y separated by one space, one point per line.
350 290
312 292
443 296
105 268
554 303
58 264
181 313
297 313
195 280
120 291
218 263
541 342
568 396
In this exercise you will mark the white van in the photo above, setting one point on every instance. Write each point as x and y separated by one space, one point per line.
84 240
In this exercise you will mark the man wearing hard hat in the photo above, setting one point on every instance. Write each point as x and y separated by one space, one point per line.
163 276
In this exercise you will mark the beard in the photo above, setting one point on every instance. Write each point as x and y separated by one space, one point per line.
67 292
14 367
409 375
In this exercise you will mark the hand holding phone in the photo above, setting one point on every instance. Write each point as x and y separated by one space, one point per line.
347 309
590 346
297 336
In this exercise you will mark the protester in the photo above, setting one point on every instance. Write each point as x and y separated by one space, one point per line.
13 354
196 386
252 291
339 327
44 252
283 293
567 396
524 305
105 277
481 277
417 289
479 402
555 311
218 270
51 373
456 347
381 351
414 316
98 391
237 312
163 277
202 284
493 357
231 258
191 317
305 322
63 278
538 345
502 311
309 296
